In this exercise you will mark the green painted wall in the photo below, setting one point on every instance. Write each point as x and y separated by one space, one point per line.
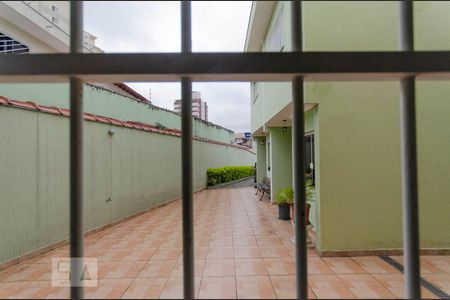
356 125
359 180
359 176
136 169
261 165
105 103
433 133
350 25
281 149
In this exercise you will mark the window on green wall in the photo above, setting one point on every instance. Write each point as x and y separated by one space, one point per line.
255 93
309 156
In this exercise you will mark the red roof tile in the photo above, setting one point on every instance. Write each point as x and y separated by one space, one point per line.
101 119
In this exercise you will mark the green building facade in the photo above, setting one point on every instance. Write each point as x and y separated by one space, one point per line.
356 125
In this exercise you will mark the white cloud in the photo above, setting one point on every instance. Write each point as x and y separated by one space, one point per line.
154 26
134 26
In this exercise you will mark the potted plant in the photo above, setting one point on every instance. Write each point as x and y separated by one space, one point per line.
284 200
309 192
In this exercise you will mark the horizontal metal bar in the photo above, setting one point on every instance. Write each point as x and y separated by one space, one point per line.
226 66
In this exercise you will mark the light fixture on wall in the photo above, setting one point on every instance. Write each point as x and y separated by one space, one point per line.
284 126
263 141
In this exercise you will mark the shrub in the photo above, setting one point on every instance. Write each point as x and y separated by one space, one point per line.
227 174
286 196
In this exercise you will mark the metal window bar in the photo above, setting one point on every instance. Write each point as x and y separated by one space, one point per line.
403 65
298 141
186 159
76 156
409 160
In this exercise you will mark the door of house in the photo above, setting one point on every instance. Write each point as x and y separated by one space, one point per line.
309 155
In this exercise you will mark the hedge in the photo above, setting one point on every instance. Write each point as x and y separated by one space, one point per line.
227 174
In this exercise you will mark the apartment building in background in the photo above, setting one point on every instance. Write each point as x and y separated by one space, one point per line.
44 27
40 26
199 107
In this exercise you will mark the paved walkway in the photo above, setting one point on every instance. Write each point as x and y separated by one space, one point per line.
249 182
241 250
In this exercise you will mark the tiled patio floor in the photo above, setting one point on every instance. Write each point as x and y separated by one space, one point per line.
241 251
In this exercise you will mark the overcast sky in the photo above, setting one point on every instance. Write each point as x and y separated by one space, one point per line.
145 26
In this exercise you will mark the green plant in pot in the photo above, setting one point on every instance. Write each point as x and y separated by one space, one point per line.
284 200
309 192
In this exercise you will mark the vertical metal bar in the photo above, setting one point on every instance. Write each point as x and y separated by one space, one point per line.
186 159
298 137
76 156
409 161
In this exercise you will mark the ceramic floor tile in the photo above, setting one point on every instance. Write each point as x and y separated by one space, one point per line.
218 288
167 253
221 241
132 254
222 267
27 272
171 243
174 288
276 251
254 287
59 293
199 253
246 252
47 257
280 266
137 234
243 231
157 268
107 243
178 269
202 242
343 265
108 288
223 232
284 287
425 266
395 284
250 267
329 287
441 281
26 289
317 266
428 268
286 240
439 261
241 250
220 252
268 240
365 286
244 241
263 231
374 265
120 269
145 288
